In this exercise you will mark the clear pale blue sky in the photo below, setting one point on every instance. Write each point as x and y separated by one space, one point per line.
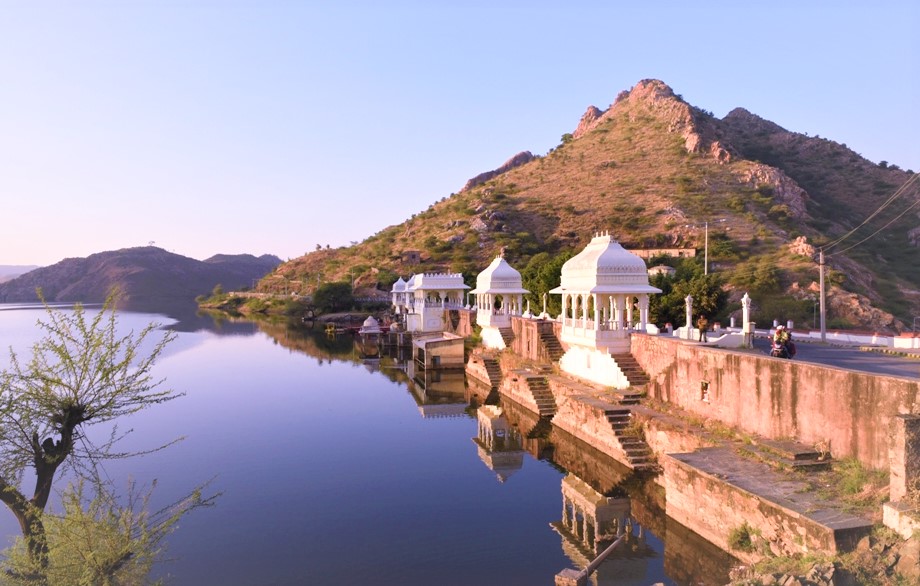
270 126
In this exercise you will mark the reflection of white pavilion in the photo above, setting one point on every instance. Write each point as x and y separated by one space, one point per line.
605 296
591 522
500 446
499 295
424 297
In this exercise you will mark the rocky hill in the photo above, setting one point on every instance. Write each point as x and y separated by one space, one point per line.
653 170
146 276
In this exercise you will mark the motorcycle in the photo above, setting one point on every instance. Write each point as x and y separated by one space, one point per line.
782 349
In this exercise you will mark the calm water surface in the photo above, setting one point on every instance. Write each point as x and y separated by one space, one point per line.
336 470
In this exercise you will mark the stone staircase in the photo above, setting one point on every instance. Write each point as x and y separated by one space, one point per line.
638 454
786 455
494 371
507 335
542 395
628 396
630 367
552 345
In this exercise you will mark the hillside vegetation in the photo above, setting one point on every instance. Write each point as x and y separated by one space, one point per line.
653 170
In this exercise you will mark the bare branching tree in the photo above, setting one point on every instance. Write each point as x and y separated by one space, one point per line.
82 373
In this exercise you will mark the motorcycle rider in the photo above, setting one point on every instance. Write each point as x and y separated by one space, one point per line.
782 343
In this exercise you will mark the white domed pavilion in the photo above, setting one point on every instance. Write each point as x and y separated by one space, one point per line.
398 293
499 295
370 326
424 297
602 288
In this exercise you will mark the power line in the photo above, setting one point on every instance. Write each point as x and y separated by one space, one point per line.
895 219
898 193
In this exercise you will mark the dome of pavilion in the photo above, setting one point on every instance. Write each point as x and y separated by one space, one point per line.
399 286
370 326
605 266
499 277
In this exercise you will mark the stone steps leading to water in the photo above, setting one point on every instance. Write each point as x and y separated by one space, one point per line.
494 371
542 395
638 453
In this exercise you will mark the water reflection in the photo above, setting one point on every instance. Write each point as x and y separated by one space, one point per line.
498 444
438 393
599 496
601 499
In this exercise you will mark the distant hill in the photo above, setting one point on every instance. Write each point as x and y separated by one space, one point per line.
146 276
652 170
9 272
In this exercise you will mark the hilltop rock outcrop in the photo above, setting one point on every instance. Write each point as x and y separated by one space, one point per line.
588 121
515 161
699 135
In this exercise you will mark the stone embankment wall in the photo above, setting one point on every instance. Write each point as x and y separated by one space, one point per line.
698 500
848 412
527 343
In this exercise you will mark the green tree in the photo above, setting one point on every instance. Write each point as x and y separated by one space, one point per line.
670 306
542 273
82 373
332 297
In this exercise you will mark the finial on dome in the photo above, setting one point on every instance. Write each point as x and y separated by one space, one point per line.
501 253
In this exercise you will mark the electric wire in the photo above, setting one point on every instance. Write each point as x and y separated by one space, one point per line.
895 219
898 193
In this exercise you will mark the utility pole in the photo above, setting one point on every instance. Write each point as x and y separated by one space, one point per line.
706 251
821 283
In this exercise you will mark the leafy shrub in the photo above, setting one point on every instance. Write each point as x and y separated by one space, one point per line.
742 538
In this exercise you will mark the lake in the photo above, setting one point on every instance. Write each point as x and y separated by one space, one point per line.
336 469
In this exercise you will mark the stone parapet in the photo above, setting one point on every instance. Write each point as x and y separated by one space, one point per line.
851 412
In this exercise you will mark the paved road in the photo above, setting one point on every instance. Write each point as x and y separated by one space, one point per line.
851 358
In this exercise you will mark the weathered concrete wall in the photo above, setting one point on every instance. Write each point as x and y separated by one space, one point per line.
714 509
780 399
442 350
665 435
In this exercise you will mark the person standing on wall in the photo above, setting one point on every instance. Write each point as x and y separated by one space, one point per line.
702 324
